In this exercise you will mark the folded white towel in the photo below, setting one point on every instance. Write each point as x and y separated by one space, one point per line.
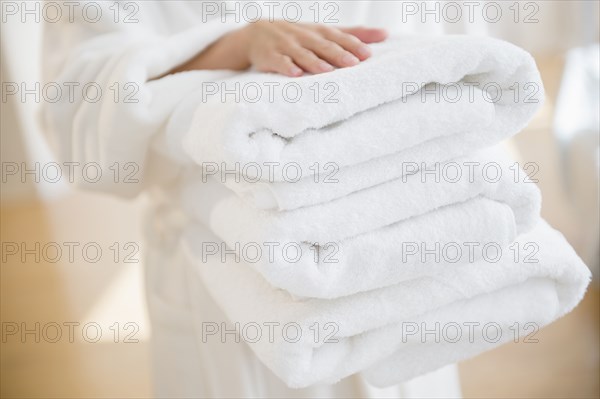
358 242
382 110
373 326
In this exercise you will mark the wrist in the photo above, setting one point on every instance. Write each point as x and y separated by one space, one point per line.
238 45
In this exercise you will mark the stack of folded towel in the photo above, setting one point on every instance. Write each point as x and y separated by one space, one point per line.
344 229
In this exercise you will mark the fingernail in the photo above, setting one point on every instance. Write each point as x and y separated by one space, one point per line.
364 51
325 67
349 59
295 71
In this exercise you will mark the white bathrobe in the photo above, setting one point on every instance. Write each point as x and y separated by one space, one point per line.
157 37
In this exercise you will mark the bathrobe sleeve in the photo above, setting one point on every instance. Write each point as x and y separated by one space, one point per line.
109 111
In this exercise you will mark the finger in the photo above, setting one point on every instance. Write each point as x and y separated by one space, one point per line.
280 63
329 51
348 42
367 35
308 60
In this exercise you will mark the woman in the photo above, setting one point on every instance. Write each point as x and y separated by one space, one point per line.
134 55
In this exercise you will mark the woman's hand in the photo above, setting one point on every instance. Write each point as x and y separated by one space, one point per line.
291 48
287 48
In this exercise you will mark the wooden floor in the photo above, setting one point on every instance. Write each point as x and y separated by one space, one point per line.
563 364
81 292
